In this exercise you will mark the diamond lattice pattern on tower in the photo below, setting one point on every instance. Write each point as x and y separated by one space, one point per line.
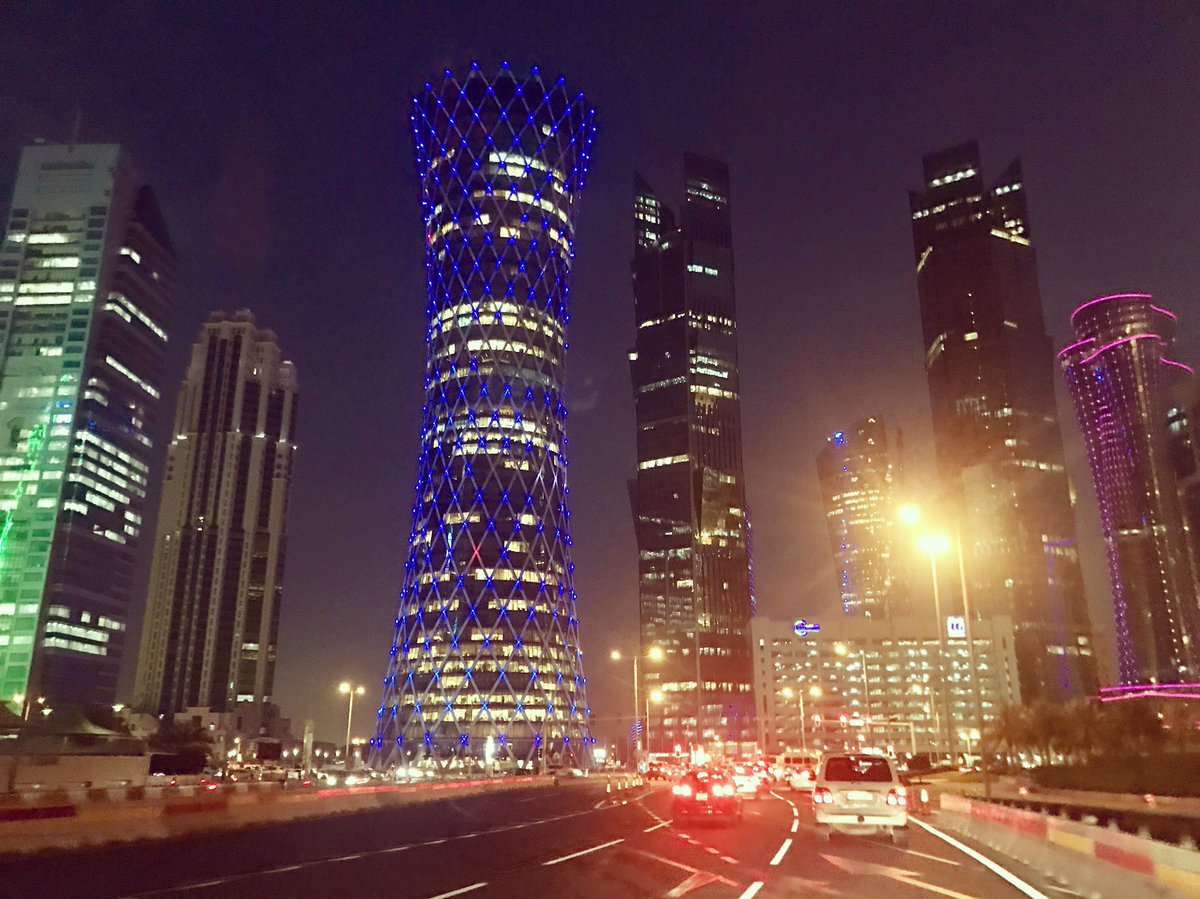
486 659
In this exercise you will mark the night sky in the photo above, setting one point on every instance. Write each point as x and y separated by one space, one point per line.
275 137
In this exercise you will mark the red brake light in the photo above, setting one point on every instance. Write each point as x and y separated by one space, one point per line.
894 798
822 795
211 787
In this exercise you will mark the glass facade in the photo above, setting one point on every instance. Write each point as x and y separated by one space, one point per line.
86 285
486 662
858 472
989 363
1125 388
212 617
688 497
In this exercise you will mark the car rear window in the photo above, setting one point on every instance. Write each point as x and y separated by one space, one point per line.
858 770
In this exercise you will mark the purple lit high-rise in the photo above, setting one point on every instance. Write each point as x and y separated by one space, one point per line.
1124 384
485 665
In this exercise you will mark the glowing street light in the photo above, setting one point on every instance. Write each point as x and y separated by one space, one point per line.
350 691
653 654
909 514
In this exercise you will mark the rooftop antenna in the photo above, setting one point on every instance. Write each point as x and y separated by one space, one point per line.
75 129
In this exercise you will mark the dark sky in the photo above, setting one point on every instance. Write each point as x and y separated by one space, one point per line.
275 136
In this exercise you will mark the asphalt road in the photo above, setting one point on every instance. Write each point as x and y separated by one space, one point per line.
571 841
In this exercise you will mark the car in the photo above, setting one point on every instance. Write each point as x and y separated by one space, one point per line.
655 771
803 778
747 782
706 794
860 794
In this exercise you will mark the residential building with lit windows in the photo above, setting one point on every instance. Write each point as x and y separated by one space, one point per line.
86 286
1126 388
211 630
688 497
859 473
485 665
860 683
989 362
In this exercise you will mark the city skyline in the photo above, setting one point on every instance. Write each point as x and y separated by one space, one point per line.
824 273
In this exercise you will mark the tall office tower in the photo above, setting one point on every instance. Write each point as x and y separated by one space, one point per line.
989 363
689 495
1124 385
1183 428
212 617
486 662
86 285
858 472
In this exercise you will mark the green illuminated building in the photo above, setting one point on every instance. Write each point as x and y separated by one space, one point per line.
86 281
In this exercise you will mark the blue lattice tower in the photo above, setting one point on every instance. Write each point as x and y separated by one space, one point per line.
487 639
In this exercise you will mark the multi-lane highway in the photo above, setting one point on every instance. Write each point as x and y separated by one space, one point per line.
570 841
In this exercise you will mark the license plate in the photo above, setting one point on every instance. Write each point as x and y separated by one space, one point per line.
702 797
860 796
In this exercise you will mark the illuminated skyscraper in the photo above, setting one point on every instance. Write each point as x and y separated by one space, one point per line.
1124 385
858 472
485 661
212 617
990 366
86 285
689 495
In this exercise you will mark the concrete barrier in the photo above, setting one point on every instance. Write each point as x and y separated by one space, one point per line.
1120 864
63 821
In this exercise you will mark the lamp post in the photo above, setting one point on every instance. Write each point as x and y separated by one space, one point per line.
351 692
842 649
935 545
788 693
653 654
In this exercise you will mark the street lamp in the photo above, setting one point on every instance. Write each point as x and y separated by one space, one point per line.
653 654
814 692
934 545
351 692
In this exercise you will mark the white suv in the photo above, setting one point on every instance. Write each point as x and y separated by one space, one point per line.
860 794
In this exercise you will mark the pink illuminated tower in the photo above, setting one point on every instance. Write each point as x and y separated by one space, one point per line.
1124 384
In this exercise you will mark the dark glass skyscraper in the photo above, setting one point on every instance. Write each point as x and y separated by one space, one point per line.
689 495
485 662
212 616
858 472
86 286
990 367
1125 385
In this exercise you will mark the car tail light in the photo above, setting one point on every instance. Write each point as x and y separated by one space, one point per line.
822 795
722 790
681 790
211 787
896 798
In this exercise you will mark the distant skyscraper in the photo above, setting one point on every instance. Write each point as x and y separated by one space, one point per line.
689 503
858 473
212 617
86 285
485 661
1124 385
990 366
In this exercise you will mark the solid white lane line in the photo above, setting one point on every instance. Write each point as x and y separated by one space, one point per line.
787 844
795 824
565 858
474 886
752 890
1000 871
654 827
